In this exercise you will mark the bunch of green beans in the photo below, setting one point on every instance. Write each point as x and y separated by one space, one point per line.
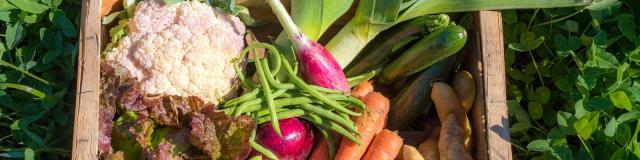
271 99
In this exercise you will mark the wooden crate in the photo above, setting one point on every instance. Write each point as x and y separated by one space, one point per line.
485 61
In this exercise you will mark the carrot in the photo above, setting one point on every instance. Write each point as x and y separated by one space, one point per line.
321 152
362 89
385 146
109 5
368 124
451 142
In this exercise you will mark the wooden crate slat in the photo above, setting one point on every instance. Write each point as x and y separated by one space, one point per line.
497 123
85 135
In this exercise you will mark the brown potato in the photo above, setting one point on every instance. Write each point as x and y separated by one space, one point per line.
451 144
465 88
445 100
409 153
429 148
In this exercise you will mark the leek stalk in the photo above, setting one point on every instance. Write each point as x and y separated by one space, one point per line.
374 16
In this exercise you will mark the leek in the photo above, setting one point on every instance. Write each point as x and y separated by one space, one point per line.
375 16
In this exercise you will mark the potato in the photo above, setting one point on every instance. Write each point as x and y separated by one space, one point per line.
468 142
451 142
409 153
445 100
429 148
465 88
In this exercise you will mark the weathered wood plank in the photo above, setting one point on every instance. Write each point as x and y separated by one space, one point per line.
497 123
85 135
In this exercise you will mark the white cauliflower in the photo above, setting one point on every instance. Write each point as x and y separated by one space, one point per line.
184 49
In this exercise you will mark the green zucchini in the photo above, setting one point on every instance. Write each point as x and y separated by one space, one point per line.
387 44
414 97
435 47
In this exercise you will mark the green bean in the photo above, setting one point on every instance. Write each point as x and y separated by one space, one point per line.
355 80
315 93
265 111
256 158
259 148
348 99
240 109
330 116
326 90
267 95
245 97
346 116
327 136
282 115
279 103
328 124
273 52
272 81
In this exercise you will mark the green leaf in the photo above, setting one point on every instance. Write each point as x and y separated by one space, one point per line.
29 154
24 88
611 128
51 55
543 94
600 39
601 59
629 116
29 6
621 100
535 109
307 15
59 19
627 26
528 41
580 109
111 17
571 26
52 3
509 16
50 39
520 114
13 35
539 145
602 4
520 127
170 2
332 10
586 125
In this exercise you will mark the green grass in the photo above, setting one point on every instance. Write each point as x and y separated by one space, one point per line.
38 48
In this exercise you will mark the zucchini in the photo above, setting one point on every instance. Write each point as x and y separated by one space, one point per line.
434 47
389 43
414 97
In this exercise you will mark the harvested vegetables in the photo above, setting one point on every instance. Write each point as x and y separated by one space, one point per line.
289 94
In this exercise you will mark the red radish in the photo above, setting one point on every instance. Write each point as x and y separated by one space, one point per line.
296 141
317 65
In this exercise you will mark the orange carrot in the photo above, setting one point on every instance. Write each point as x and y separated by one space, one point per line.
109 5
362 89
321 152
368 124
385 146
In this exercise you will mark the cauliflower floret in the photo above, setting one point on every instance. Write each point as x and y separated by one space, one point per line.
183 49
